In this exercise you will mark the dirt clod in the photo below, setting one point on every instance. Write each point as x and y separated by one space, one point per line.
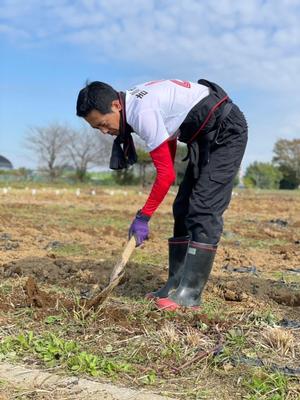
35 296
265 289
7 243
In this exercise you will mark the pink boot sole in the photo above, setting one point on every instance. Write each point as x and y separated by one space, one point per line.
170 305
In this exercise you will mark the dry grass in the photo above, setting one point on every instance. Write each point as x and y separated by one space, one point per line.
168 335
194 338
279 340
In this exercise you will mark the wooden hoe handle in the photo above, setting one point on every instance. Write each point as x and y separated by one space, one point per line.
119 267
115 277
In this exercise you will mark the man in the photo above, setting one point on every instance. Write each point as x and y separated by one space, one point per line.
161 112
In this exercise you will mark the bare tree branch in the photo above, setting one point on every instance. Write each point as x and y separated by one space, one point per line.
87 148
48 145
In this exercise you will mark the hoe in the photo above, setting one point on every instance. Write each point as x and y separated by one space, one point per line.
115 277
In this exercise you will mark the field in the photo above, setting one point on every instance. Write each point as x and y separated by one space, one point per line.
244 342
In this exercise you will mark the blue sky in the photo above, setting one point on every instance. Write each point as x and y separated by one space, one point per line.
49 48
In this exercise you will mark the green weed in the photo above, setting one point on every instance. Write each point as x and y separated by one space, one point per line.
55 351
267 386
235 342
6 289
265 318
172 350
213 309
235 338
53 319
150 378
222 358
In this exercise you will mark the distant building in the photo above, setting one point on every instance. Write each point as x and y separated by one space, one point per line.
5 163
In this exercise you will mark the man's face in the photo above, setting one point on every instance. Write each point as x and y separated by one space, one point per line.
106 123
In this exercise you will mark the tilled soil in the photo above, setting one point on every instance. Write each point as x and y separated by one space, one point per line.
55 250
253 253
85 275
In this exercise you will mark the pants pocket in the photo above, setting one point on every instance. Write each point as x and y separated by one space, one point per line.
222 177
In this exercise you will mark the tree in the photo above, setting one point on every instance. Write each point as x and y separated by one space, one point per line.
287 158
86 148
49 144
180 165
125 176
144 160
237 179
262 175
136 173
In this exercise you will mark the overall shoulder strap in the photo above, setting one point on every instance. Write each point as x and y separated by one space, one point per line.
213 87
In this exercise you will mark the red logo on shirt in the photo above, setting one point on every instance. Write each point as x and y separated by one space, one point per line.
185 84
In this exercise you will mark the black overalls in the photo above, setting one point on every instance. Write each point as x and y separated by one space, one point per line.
215 155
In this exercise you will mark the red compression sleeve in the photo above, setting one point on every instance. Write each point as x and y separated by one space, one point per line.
163 158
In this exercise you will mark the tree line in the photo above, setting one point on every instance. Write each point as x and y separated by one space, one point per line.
283 172
58 148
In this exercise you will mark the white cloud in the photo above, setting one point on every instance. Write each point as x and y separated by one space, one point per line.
247 45
252 43
13 33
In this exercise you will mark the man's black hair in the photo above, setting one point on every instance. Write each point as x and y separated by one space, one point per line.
95 96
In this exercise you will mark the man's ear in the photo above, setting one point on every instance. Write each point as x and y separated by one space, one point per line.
116 104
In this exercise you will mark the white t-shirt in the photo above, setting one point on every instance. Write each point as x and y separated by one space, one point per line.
155 110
